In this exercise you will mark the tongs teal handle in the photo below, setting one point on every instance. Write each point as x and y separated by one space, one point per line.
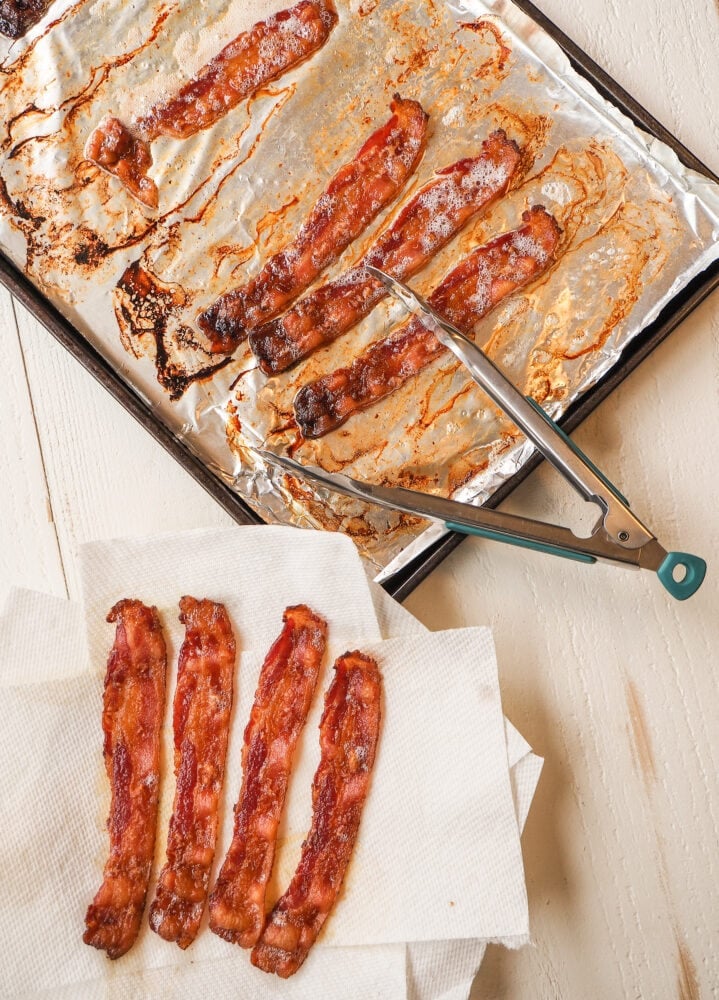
694 567
522 542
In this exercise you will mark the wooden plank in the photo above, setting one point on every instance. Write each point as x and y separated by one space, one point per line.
107 478
29 553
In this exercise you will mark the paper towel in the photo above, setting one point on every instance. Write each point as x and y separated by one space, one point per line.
322 578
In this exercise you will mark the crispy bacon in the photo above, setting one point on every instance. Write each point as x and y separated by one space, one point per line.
201 722
348 740
427 223
282 700
249 62
133 707
469 292
18 16
356 194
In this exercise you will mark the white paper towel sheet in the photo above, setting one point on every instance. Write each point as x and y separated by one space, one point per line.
438 853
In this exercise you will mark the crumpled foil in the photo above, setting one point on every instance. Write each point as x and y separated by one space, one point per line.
637 226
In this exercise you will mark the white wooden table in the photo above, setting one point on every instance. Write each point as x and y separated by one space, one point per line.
611 681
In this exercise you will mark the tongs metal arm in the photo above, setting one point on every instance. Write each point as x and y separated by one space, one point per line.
620 537
619 522
513 529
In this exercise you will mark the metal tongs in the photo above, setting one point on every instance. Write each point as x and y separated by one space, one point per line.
619 537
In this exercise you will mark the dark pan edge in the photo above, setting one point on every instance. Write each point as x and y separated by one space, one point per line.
93 362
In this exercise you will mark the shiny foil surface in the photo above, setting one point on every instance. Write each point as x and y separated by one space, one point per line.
637 226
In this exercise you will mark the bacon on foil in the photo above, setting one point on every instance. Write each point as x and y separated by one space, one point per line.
348 740
133 707
245 65
467 293
427 223
18 16
353 198
282 700
201 724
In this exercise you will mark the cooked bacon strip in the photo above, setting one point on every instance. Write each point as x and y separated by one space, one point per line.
356 194
282 700
469 292
201 722
133 706
348 740
18 16
245 65
427 223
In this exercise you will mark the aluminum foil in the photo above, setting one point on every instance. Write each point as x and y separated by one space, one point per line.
637 226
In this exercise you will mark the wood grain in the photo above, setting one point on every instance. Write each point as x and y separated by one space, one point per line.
29 553
105 477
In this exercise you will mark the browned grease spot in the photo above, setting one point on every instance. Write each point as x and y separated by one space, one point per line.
416 61
504 50
75 102
88 249
13 67
465 470
640 733
144 306
687 981
304 496
530 131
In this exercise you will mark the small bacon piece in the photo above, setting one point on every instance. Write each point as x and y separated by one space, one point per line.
18 16
282 700
469 292
133 706
245 65
353 198
348 740
201 722
427 223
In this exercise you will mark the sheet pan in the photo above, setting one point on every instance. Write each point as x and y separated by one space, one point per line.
210 473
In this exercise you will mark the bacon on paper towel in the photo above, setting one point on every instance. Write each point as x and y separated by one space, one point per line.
282 699
133 707
349 731
201 724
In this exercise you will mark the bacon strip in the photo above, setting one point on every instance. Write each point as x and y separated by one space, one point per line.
18 16
356 194
427 223
282 700
133 707
245 65
348 740
201 722
469 292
